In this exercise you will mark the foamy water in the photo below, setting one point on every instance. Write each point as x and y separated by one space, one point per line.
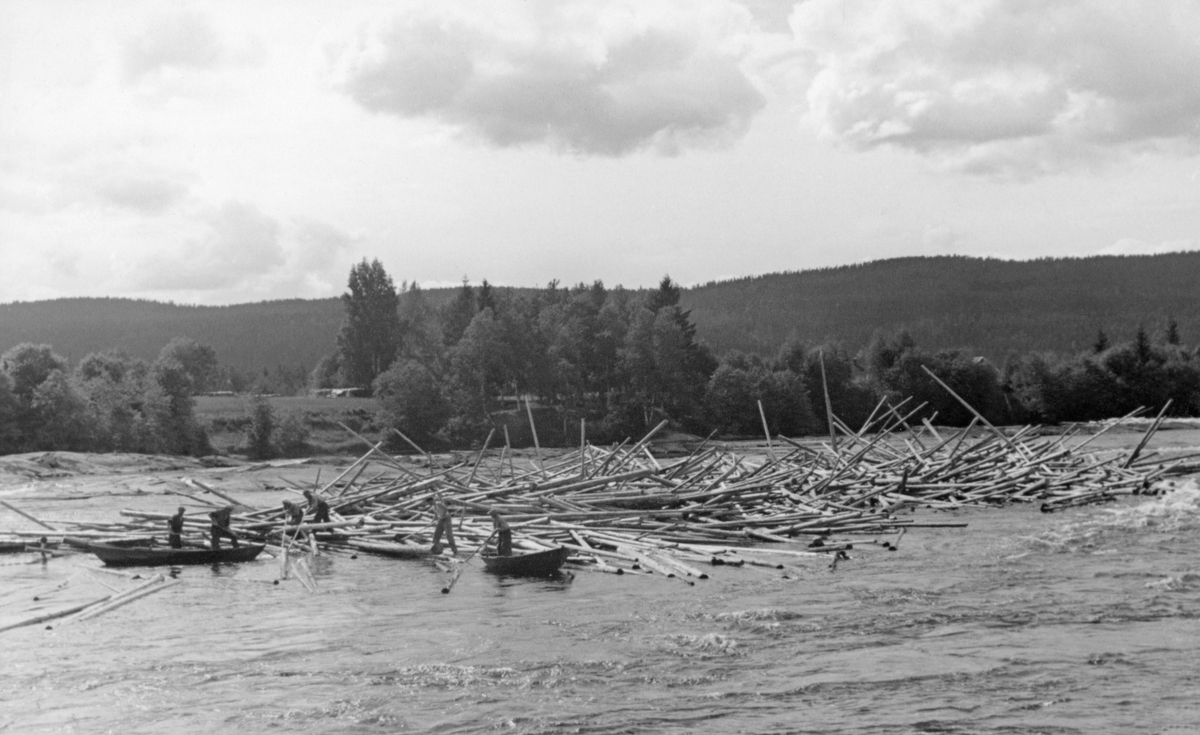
1080 622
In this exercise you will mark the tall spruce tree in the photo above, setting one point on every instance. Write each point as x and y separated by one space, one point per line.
1172 332
370 337
457 315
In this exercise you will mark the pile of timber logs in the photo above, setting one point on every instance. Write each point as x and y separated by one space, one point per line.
623 509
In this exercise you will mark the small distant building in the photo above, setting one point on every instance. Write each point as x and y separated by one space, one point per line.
350 392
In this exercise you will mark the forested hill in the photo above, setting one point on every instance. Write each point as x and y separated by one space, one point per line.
991 307
246 336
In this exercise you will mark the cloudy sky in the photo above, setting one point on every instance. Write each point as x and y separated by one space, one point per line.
222 152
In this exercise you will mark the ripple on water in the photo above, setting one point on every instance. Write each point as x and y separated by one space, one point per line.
1177 510
986 631
704 646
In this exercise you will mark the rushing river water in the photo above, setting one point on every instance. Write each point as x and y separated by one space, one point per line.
1082 622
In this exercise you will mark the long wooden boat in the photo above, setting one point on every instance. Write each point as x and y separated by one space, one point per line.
79 542
392 550
148 556
536 564
16 547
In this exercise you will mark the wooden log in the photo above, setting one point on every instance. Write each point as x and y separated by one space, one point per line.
114 604
196 483
1149 433
22 513
52 615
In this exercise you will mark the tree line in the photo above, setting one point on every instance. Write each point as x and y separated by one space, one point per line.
622 361
986 307
107 402
618 360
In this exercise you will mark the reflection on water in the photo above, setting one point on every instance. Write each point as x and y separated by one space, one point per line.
1083 622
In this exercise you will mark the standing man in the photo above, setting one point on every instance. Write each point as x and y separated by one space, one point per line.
175 529
318 507
220 526
293 515
444 524
503 534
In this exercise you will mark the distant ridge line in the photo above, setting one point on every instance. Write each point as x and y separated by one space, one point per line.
989 306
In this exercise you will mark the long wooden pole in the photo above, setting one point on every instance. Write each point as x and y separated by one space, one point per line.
1001 435
478 459
1149 433
767 432
20 512
537 448
828 403
458 572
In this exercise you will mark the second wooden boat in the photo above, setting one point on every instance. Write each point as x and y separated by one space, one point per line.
147 556
536 564
393 550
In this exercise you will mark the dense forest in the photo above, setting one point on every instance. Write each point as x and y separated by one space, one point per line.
248 337
994 308
451 368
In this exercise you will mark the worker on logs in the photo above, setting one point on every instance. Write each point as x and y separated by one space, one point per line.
318 507
220 526
293 515
175 529
503 534
443 523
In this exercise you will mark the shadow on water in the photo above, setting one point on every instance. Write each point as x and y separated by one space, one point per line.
557 582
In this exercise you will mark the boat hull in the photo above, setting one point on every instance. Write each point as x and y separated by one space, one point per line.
145 556
393 551
538 564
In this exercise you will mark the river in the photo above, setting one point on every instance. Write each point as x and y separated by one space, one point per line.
1086 621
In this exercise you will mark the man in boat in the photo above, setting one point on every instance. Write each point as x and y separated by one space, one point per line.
444 523
220 526
503 534
318 507
175 529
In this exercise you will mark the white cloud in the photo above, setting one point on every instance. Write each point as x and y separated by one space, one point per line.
940 239
236 251
234 243
580 77
107 172
317 245
148 194
1014 87
182 41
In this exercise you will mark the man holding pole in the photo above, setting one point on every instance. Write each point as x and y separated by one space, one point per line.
444 523
503 534
293 515
175 529
220 526
318 507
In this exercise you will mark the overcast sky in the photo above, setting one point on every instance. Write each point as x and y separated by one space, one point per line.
223 152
